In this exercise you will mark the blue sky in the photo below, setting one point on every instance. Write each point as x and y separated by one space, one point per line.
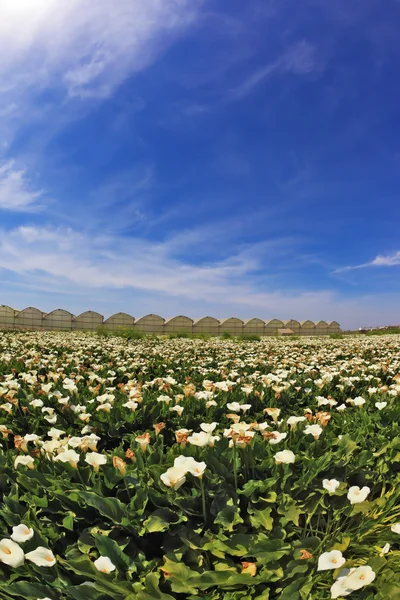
198 157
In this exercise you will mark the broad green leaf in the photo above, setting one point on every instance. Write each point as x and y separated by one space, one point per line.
229 517
110 548
261 518
152 590
30 591
111 508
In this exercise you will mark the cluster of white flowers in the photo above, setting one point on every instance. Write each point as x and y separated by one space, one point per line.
175 476
12 554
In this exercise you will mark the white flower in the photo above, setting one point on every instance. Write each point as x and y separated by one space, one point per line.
285 457
21 533
164 398
95 459
42 557
27 461
380 405
52 419
54 433
31 437
359 577
190 465
184 462
11 554
208 427
331 485
234 406
385 549
314 430
178 409
210 403
68 456
36 403
338 589
245 407
341 407
69 385
395 528
273 413
277 437
174 477
199 439
74 441
330 560
131 404
292 421
104 564
359 401
355 494
107 406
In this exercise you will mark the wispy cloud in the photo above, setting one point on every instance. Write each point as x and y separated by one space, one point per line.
16 192
300 58
140 276
388 260
64 54
89 47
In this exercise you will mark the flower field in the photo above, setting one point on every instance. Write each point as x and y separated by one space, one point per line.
182 468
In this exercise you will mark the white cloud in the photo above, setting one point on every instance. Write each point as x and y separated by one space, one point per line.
109 274
16 193
86 47
299 59
388 260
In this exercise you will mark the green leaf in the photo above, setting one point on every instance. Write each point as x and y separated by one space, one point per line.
152 591
229 516
85 591
30 591
290 512
110 548
160 520
261 518
111 508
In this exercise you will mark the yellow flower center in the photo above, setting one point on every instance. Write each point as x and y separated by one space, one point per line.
49 558
6 550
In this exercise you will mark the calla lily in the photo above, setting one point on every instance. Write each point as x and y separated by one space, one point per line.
104 564
26 461
331 560
68 456
285 457
42 557
380 405
22 533
360 577
356 495
95 460
200 439
330 485
314 430
11 554
174 477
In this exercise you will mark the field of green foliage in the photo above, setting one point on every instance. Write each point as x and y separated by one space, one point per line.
199 469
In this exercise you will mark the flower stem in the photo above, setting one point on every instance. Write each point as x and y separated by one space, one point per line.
127 489
203 500
234 465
